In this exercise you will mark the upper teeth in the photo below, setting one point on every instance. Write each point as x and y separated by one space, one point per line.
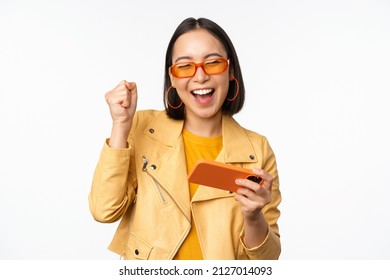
202 91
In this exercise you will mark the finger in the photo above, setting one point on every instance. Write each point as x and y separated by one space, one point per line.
118 97
246 203
131 87
251 199
264 175
254 191
262 193
114 98
133 93
242 199
267 178
117 94
126 103
250 194
248 184
134 97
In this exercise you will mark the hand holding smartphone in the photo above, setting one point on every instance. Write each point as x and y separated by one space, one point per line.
220 175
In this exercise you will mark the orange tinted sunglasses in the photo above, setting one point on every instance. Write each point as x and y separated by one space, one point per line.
209 66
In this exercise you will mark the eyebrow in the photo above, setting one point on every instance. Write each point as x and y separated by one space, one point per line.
189 57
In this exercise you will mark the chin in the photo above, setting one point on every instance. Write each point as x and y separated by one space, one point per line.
207 114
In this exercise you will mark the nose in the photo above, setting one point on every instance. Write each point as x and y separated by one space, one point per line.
200 75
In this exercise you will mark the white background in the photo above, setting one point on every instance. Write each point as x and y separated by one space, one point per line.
317 75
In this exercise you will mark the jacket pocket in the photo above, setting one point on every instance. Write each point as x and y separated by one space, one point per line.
137 249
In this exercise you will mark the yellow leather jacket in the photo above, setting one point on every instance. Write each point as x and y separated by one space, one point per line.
145 185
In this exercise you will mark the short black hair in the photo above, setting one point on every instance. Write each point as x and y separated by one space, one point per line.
189 24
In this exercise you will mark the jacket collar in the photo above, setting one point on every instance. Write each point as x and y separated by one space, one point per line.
236 144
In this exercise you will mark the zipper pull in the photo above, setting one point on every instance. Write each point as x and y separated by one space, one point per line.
145 160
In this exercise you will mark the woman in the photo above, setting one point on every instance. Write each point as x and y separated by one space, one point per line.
141 177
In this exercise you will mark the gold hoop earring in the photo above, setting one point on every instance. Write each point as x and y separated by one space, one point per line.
169 104
237 89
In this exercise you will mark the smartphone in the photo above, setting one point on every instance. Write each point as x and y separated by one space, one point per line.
220 175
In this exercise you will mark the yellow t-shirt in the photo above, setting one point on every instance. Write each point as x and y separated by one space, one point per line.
196 147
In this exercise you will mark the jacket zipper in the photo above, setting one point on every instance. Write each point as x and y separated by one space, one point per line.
157 185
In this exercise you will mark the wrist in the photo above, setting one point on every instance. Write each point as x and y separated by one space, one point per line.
119 134
122 125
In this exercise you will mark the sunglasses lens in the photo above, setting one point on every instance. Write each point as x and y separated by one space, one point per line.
215 66
183 70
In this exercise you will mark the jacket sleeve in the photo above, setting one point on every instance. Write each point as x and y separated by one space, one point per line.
113 187
270 249
114 183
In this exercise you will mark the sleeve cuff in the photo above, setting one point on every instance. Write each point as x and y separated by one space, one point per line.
269 249
114 157
242 238
116 152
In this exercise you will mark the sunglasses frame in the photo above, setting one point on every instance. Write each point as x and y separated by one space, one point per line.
197 65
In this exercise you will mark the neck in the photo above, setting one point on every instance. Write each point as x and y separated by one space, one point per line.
205 127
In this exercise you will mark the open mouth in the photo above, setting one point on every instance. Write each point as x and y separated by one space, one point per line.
203 94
